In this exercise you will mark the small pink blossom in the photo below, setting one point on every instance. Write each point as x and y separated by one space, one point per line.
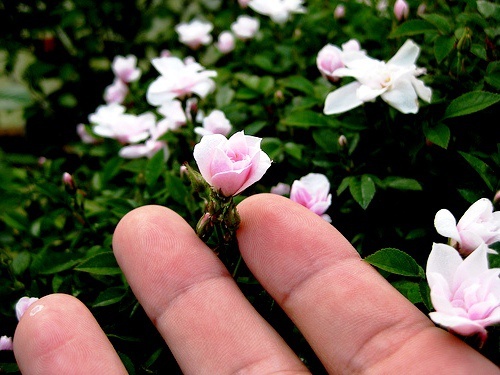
178 79
330 58
313 191
116 92
151 145
126 128
339 11
245 27
125 68
401 9
195 33
69 182
215 123
6 343
478 225
25 302
231 165
243 3
225 42
281 189
464 293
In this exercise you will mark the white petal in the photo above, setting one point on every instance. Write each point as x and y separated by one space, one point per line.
474 265
444 260
423 92
402 96
446 225
367 94
406 55
475 211
343 99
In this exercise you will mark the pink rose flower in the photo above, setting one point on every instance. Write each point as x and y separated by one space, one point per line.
6 343
231 165
313 191
330 58
25 302
125 68
464 293
116 92
478 225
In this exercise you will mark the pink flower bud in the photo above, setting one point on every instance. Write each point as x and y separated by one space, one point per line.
342 141
68 180
231 165
23 304
339 12
225 42
328 60
401 9
496 198
6 343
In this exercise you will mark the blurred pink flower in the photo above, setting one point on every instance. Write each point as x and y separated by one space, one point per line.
478 225
25 302
245 27
231 165
394 81
178 79
126 128
281 189
195 33
84 135
464 293
313 191
67 180
215 123
125 68
339 11
225 42
6 343
401 9
116 92
151 145
243 3
174 114
278 10
330 58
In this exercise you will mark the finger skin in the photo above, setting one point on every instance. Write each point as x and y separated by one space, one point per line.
353 318
59 335
209 325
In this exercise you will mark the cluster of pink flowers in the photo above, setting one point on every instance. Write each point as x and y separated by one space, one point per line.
21 307
126 71
465 293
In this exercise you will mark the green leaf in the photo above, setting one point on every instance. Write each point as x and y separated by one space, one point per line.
272 147
489 9
21 262
109 296
13 95
409 289
344 184
154 168
443 45
362 189
442 23
471 102
439 134
266 85
395 261
298 83
100 264
412 27
483 169
425 292
401 183
492 76
305 119
294 150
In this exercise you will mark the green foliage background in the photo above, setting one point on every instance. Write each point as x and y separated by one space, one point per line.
394 174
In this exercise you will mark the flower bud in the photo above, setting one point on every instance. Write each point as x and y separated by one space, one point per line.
68 181
342 141
401 9
225 42
496 198
465 41
6 343
339 12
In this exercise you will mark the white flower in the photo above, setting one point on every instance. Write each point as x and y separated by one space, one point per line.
245 27
478 225
125 68
194 33
175 116
178 80
464 293
313 191
278 10
124 127
215 123
394 81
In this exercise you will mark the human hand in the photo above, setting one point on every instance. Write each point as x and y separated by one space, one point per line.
351 316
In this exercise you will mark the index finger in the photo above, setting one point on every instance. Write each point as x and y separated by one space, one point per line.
353 318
